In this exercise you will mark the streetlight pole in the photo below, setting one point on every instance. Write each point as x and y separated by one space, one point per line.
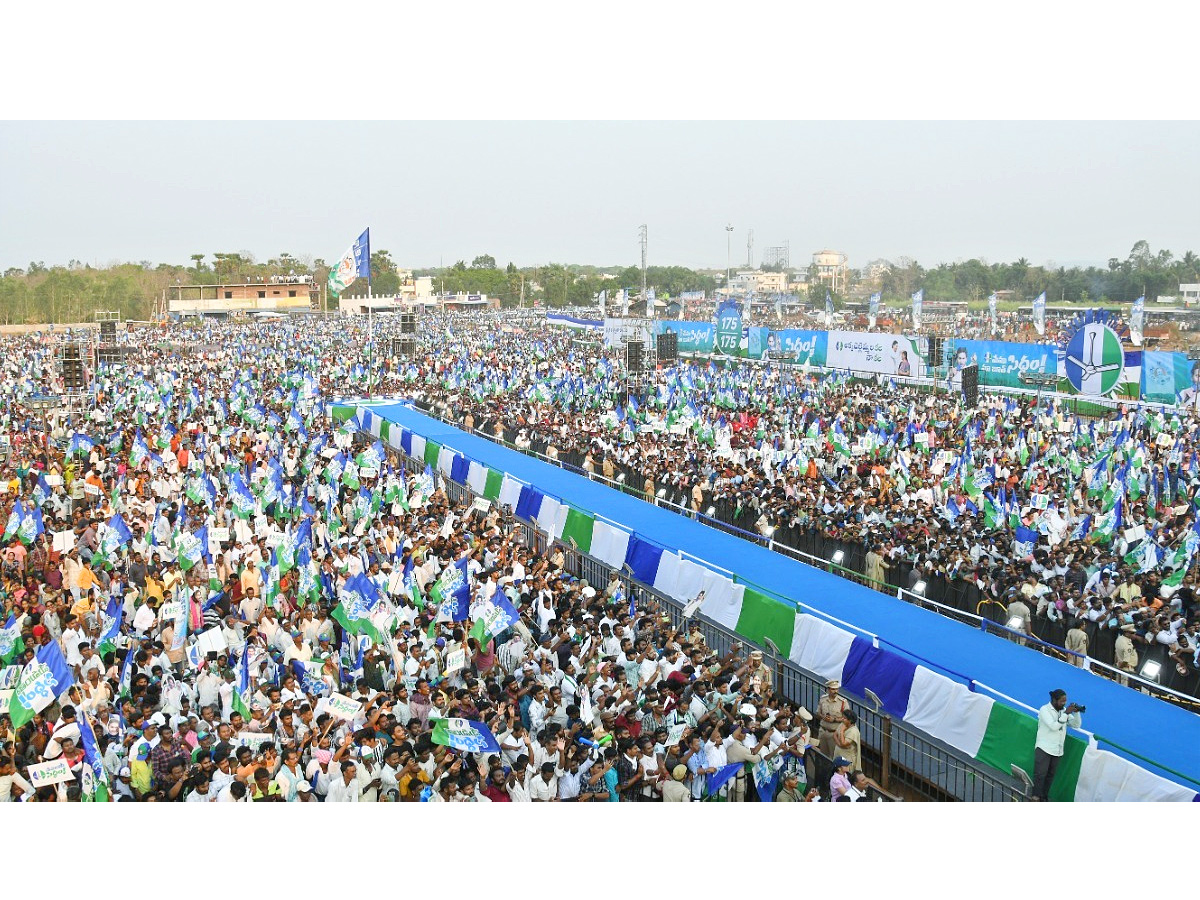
728 258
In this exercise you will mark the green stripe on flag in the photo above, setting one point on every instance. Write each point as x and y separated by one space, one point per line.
763 617
1066 779
432 451
1008 739
491 489
579 526
385 430
342 413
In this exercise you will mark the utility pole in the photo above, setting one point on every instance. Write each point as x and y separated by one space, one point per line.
750 249
644 234
728 258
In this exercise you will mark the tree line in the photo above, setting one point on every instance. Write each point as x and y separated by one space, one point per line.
73 292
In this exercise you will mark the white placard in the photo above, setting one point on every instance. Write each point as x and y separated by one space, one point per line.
54 479
253 739
54 772
675 733
5 697
1135 534
396 582
342 706
368 472
64 541
91 489
455 660
275 538
170 611
211 641
218 535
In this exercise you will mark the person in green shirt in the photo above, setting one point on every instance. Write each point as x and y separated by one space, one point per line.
264 789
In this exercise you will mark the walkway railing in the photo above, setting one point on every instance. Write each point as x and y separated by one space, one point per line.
904 761
853 553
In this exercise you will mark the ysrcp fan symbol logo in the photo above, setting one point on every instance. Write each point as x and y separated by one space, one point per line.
1094 359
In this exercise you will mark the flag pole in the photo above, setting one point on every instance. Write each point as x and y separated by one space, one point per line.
370 321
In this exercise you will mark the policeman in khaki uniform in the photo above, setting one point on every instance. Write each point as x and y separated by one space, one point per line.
829 713
758 676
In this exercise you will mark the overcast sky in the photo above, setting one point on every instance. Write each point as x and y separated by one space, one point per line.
530 193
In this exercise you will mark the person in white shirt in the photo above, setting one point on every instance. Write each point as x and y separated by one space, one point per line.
1053 720
344 787
543 788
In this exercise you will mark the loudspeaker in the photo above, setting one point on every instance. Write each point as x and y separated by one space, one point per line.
668 347
108 355
634 351
405 346
408 323
74 377
970 385
935 350
108 331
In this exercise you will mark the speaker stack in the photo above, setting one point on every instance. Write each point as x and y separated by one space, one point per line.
970 385
73 374
935 350
634 351
668 347
408 323
108 331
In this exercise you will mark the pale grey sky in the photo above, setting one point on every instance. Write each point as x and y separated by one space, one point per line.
541 192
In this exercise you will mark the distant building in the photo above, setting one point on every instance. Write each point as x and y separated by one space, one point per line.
749 281
832 269
414 288
1189 294
276 293
772 282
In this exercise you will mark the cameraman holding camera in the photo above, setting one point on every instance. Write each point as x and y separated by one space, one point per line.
1053 720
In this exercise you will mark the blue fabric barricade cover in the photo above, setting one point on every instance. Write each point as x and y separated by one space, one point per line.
529 504
887 674
459 467
643 556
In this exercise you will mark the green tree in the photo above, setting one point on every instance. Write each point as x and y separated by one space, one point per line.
483 262
384 278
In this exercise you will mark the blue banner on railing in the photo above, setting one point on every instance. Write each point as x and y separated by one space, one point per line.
1001 363
808 347
694 337
1170 377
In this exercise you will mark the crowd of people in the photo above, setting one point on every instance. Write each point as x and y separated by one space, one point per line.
213 594
1089 523
232 599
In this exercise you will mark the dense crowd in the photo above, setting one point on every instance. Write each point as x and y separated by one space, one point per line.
211 594
1084 530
